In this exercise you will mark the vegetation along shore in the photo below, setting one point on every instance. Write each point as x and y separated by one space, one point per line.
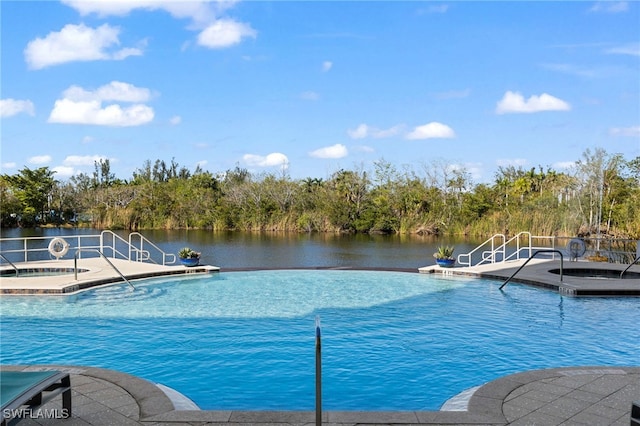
600 193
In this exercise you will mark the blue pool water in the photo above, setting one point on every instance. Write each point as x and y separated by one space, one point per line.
391 341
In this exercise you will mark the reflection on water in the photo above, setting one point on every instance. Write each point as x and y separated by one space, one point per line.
287 250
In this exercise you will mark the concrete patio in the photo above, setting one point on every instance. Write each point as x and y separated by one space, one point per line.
560 396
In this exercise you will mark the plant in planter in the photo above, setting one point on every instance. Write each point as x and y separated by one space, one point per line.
189 257
444 256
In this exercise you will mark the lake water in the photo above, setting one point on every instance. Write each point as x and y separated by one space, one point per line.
287 250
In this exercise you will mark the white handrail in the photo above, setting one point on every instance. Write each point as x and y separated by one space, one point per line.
104 242
493 251
141 252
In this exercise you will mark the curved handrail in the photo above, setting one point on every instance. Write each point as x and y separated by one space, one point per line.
75 264
630 265
532 256
10 263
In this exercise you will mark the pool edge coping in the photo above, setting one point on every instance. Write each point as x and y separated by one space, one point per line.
485 405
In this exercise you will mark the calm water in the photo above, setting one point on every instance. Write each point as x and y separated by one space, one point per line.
391 341
278 250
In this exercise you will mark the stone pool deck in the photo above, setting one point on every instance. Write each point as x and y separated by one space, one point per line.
559 396
537 273
97 272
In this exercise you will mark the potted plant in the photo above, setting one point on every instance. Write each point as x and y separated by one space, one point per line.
189 257
444 256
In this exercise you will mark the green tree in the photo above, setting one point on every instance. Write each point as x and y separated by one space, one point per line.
33 188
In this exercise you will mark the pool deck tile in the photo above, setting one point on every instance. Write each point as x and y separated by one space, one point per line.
98 272
537 273
559 396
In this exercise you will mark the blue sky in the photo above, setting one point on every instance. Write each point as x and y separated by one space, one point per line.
310 87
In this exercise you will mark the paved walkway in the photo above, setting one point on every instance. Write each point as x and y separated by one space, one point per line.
561 396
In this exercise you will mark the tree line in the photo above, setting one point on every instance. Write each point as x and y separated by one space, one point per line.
600 195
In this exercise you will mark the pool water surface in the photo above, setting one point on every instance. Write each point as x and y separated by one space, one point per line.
391 341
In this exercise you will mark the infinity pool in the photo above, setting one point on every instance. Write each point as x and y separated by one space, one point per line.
391 341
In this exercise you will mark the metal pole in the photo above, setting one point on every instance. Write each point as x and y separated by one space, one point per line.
318 373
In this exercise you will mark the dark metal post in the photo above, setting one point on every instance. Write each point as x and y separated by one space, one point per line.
318 374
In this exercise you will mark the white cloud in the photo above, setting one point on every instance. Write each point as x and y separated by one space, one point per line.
610 7
205 15
571 70
198 11
633 131
476 170
64 171
224 33
335 151
114 91
359 132
76 43
10 107
386 133
9 166
66 111
82 160
433 130
505 162
39 159
175 120
79 106
273 159
514 102
364 131
326 66
564 165
632 49
309 96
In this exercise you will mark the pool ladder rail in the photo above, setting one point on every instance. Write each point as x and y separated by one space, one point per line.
15 268
530 258
628 267
75 264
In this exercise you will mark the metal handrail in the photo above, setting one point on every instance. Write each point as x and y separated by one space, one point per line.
114 238
107 242
10 263
630 265
490 240
75 264
143 252
532 256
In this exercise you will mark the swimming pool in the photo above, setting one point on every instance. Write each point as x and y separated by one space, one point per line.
391 341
